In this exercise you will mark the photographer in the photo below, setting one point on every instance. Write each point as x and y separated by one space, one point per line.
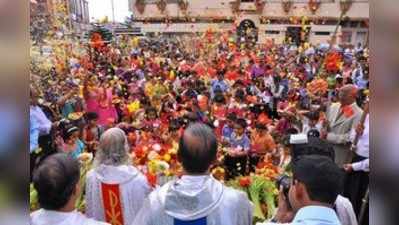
313 190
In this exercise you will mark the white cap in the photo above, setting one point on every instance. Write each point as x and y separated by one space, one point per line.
298 139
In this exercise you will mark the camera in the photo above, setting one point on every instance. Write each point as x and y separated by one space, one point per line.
285 182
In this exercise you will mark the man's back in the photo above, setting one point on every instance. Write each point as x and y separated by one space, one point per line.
46 217
195 198
312 215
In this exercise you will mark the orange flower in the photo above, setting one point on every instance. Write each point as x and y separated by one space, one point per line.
245 181
96 40
347 111
317 86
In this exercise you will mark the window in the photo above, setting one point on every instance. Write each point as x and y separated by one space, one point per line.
322 33
346 36
272 32
354 24
361 37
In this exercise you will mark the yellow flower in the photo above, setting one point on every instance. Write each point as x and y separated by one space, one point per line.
167 157
133 107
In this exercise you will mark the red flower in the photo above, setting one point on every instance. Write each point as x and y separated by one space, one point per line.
152 179
245 181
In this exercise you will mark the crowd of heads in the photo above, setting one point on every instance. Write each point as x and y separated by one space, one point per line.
158 87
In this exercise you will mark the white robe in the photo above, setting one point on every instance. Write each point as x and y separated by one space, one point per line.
47 217
345 211
195 197
133 187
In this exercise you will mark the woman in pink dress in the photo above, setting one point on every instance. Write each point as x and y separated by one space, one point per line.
99 100
107 114
90 94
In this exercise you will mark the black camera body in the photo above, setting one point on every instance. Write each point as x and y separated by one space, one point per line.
284 181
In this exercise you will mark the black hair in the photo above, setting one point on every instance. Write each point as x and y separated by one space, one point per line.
240 94
68 131
219 98
232 117
55 180
313 115
241 122
314 146
322 178
174 124
151 110
91 116
197 154
260 126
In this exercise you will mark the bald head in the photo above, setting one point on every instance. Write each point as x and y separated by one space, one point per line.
347 94
197 148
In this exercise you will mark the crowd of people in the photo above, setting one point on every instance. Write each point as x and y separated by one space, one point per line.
218 102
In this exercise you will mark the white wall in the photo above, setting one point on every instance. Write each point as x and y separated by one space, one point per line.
273 8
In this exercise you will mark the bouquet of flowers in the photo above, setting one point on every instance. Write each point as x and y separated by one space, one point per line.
317 87
261 191
333 62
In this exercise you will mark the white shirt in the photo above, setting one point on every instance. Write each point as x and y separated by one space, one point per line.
362 147
49 217
44 124
306 128
345 212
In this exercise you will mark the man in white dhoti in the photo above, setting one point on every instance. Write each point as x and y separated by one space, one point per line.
57 183
196 198
115 190
341 118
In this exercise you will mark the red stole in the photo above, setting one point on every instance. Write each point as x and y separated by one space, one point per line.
112 204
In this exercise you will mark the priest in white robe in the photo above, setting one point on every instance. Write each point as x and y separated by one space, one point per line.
196 198
115 190
57 181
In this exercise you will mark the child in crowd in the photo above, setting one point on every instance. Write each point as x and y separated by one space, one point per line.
311 122
70 142
262 144
238 148
91 131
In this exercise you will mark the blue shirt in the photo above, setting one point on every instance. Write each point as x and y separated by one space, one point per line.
33 134
67 109
313 215
79 149
217 84
242 142
39 124
361 83
227 131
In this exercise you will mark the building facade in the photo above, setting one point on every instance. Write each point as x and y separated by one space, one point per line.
313 21
79 16
44 13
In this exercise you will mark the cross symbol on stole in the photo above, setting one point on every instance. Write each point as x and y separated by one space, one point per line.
112 204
